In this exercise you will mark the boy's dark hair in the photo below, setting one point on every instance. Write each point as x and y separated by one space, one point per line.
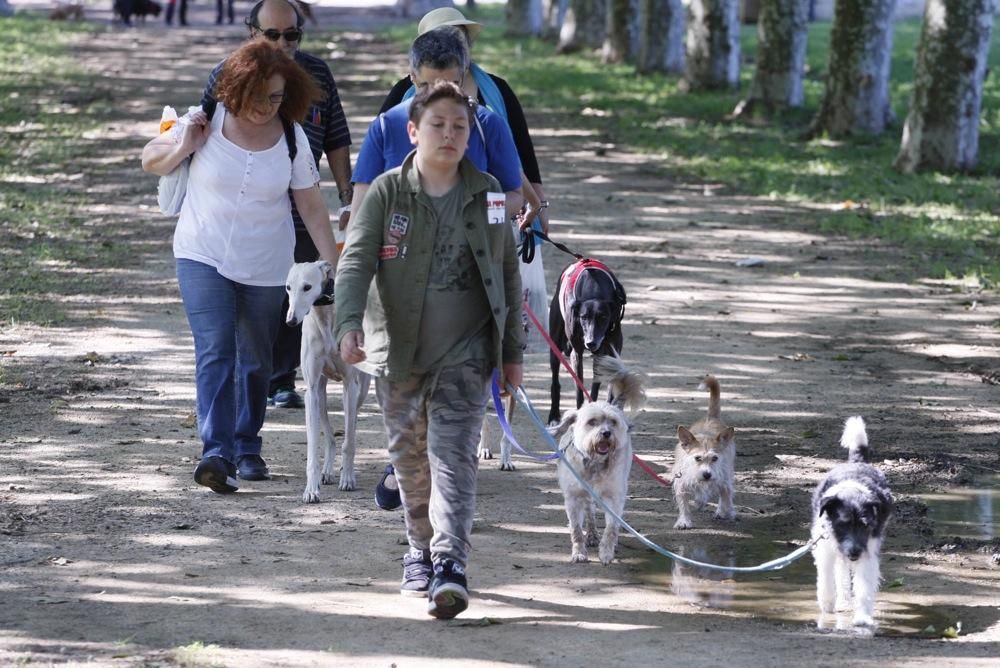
253 24
440 90
440 49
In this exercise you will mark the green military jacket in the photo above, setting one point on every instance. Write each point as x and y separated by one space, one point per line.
391 241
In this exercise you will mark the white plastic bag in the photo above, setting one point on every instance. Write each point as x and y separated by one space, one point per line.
536 297
172 187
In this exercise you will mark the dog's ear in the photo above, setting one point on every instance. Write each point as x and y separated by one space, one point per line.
726 436
326 268
686 438
829 507
567 422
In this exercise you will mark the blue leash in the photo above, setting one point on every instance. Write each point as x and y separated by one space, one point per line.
522 398
505 425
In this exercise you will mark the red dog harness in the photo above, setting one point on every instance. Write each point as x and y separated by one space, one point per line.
567 284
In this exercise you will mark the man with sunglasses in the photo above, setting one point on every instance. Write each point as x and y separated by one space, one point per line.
280 22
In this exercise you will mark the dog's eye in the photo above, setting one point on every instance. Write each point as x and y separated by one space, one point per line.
697 458
593 422
288 288
715 458
306 287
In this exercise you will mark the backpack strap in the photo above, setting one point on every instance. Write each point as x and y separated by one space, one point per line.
208 105
290 139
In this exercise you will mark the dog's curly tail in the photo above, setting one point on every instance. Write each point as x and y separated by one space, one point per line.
855 439
627 386
711 385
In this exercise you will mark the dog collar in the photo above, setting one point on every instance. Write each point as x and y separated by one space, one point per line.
326 297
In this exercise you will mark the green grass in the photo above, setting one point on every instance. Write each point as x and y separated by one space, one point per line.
951 220
47 105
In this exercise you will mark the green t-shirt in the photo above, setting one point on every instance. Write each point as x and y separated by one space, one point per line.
456 320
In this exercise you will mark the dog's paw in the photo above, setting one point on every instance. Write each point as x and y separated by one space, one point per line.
310 496
843 603
578 557
347 481
592 539
507 466
728 517
863 619
683 523
485 453
607 554
329 478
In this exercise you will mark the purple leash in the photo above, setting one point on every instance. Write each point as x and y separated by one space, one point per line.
498 404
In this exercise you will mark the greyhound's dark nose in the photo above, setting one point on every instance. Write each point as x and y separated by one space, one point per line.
707 475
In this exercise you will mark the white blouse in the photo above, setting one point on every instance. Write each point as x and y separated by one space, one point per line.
237 216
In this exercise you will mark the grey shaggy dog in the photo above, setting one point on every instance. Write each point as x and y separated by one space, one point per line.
851 508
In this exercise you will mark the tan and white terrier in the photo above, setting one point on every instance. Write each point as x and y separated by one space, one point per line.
704 461
596 442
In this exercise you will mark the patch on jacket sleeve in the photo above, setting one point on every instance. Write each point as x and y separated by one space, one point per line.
496 208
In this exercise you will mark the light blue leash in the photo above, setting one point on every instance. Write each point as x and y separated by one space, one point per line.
773 565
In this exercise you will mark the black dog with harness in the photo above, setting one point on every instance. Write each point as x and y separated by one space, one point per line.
585 315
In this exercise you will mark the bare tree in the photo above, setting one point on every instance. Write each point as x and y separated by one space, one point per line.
621 41
661 36
856 99
782 32
942 128
713 44
584 26
524 17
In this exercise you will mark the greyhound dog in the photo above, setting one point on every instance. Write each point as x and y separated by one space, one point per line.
585 315
310 301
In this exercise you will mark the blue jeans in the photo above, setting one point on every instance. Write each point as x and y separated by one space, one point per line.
234 326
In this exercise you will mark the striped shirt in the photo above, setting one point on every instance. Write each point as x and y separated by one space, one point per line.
325 123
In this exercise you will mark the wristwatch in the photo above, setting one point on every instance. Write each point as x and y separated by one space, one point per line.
346 196
543 204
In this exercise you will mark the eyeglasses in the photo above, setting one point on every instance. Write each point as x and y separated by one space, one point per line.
290 35
276 98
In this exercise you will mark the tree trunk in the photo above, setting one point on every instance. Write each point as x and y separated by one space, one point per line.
942 128
713 44
857 84
555 17
417 8
661 36
524 17
584 26
621 41
782 31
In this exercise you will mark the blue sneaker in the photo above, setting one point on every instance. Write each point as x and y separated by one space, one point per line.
417 571
286 397
252 467
449 590
387 490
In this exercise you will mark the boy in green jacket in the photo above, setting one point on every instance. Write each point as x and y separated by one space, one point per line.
445 310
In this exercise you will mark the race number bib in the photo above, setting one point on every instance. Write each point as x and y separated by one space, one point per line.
496 208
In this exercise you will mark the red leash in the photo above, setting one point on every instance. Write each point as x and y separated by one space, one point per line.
579 383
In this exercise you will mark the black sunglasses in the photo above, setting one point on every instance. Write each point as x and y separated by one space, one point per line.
290 35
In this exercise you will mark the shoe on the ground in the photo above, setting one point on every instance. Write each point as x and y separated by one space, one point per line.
217 474
417 571
252 467
286 397
387 490
449 591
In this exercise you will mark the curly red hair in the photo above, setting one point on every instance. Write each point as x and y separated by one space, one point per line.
242 84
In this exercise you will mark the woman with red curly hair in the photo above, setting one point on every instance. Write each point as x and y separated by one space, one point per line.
234 241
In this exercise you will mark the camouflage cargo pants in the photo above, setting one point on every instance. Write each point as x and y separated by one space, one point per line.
432 422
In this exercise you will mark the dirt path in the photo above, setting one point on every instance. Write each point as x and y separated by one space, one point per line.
110 555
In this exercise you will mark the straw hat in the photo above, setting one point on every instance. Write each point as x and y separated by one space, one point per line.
447 16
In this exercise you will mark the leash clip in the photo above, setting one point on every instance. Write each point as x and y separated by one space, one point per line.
326 298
